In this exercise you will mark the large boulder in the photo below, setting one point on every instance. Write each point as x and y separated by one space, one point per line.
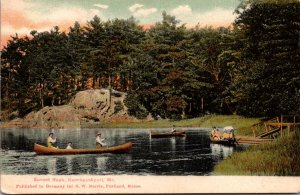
101 105
62 117
90 99
89 106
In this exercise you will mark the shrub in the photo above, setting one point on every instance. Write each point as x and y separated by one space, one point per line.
118 106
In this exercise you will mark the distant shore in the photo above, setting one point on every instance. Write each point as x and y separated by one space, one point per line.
241 124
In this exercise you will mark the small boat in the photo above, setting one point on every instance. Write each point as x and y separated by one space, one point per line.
225 136
167 134
43 150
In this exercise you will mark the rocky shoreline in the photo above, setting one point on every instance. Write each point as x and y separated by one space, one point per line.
89 106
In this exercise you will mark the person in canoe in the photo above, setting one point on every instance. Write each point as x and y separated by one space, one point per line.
69 146
99 141
228 133
173 130
51 140
215 134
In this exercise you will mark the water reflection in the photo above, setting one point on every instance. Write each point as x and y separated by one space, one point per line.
221 150
65 164
69 164
173 144
101 163
51 166
189 155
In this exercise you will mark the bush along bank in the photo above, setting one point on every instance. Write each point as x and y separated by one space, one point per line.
278 158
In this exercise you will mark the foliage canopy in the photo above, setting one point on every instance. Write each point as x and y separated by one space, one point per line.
170 71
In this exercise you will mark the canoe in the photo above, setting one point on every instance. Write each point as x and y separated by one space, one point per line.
229 142
167 134
43 150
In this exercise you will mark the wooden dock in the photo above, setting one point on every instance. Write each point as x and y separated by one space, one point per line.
275 127
271 130
252 140
265 134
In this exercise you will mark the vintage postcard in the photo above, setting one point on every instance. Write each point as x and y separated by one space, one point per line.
140 96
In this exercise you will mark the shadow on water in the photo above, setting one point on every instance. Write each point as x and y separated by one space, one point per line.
192 154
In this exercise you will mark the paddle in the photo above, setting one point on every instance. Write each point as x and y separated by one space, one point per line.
235 141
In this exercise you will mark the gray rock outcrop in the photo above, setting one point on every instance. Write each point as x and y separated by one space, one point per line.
89 106
101 105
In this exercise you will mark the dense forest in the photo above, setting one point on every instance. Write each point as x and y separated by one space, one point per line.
251 68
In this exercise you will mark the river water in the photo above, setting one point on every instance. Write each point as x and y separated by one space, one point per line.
189 155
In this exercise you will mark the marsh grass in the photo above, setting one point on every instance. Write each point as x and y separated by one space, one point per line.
280 158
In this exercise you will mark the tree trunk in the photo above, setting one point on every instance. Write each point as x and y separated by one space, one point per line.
128 81
93 84
109 81
109 89
202 104
7 96
41 95
183 114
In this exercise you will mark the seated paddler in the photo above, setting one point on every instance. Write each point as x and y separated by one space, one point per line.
215 134
69 145
228 133
213 131
173 130
51 141
99 141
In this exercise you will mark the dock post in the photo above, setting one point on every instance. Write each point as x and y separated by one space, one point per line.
281 129
294 129
253 129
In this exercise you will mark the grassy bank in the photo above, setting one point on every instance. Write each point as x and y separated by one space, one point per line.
204 122
280 157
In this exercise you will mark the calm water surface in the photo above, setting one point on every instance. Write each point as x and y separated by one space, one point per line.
189 155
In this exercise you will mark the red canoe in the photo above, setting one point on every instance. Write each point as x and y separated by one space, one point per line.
42 150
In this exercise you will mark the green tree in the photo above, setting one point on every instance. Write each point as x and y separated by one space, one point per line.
166 46
14 84
269 83
78 53
207 47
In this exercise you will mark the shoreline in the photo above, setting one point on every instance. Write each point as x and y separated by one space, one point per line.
241 124
266 152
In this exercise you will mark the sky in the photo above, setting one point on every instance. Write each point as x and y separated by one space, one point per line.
23 16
